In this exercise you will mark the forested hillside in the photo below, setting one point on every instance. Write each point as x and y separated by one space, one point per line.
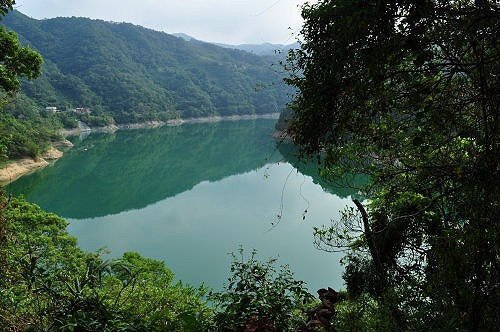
137 74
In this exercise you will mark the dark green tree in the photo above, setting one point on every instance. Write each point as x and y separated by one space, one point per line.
407 92
16 61
5 6
261 297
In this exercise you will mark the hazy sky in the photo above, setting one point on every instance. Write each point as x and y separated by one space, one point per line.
225 21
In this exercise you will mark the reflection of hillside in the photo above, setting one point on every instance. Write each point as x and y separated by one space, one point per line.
343 188
108 174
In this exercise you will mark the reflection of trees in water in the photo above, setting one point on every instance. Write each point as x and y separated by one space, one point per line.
344 187
111 173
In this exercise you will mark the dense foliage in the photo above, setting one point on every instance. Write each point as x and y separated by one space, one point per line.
24 131
17 62
407 92
48 283
5 6
261 297
137 74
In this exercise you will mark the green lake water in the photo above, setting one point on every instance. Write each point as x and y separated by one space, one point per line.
190 195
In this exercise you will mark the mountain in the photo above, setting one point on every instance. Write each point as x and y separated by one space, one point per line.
262 49
137 74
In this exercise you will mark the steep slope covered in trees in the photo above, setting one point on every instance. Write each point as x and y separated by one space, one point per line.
137 74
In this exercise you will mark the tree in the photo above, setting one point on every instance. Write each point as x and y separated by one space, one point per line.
16 61
5 6
48 283
261 297
407 92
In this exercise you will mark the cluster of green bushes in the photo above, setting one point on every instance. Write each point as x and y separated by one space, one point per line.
22 138
95 120
47 282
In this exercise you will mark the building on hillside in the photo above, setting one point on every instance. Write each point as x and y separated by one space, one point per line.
82 110
52 109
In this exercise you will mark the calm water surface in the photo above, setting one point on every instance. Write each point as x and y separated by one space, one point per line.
190 195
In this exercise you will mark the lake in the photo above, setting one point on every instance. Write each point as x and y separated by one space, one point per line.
190 195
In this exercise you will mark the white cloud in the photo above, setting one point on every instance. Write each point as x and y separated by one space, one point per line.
226 21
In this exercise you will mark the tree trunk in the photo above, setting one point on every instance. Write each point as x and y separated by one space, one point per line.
382 284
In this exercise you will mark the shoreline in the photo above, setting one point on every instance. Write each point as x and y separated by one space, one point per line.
171 123
14 169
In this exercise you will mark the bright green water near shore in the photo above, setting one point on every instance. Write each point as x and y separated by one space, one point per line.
190 195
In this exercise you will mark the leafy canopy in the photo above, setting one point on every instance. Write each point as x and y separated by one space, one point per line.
48 283
16 61
5 6
259 296
407 92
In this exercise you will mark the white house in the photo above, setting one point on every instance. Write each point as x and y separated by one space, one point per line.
52 109
82 110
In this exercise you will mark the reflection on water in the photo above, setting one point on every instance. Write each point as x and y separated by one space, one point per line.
191 194
110 173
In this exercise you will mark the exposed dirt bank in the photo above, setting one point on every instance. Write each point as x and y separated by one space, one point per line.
14 169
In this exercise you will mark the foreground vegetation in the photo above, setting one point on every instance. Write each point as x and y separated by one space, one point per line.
48 283
407 92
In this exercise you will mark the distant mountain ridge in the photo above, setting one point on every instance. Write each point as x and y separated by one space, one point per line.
262 49
258 49
137 74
